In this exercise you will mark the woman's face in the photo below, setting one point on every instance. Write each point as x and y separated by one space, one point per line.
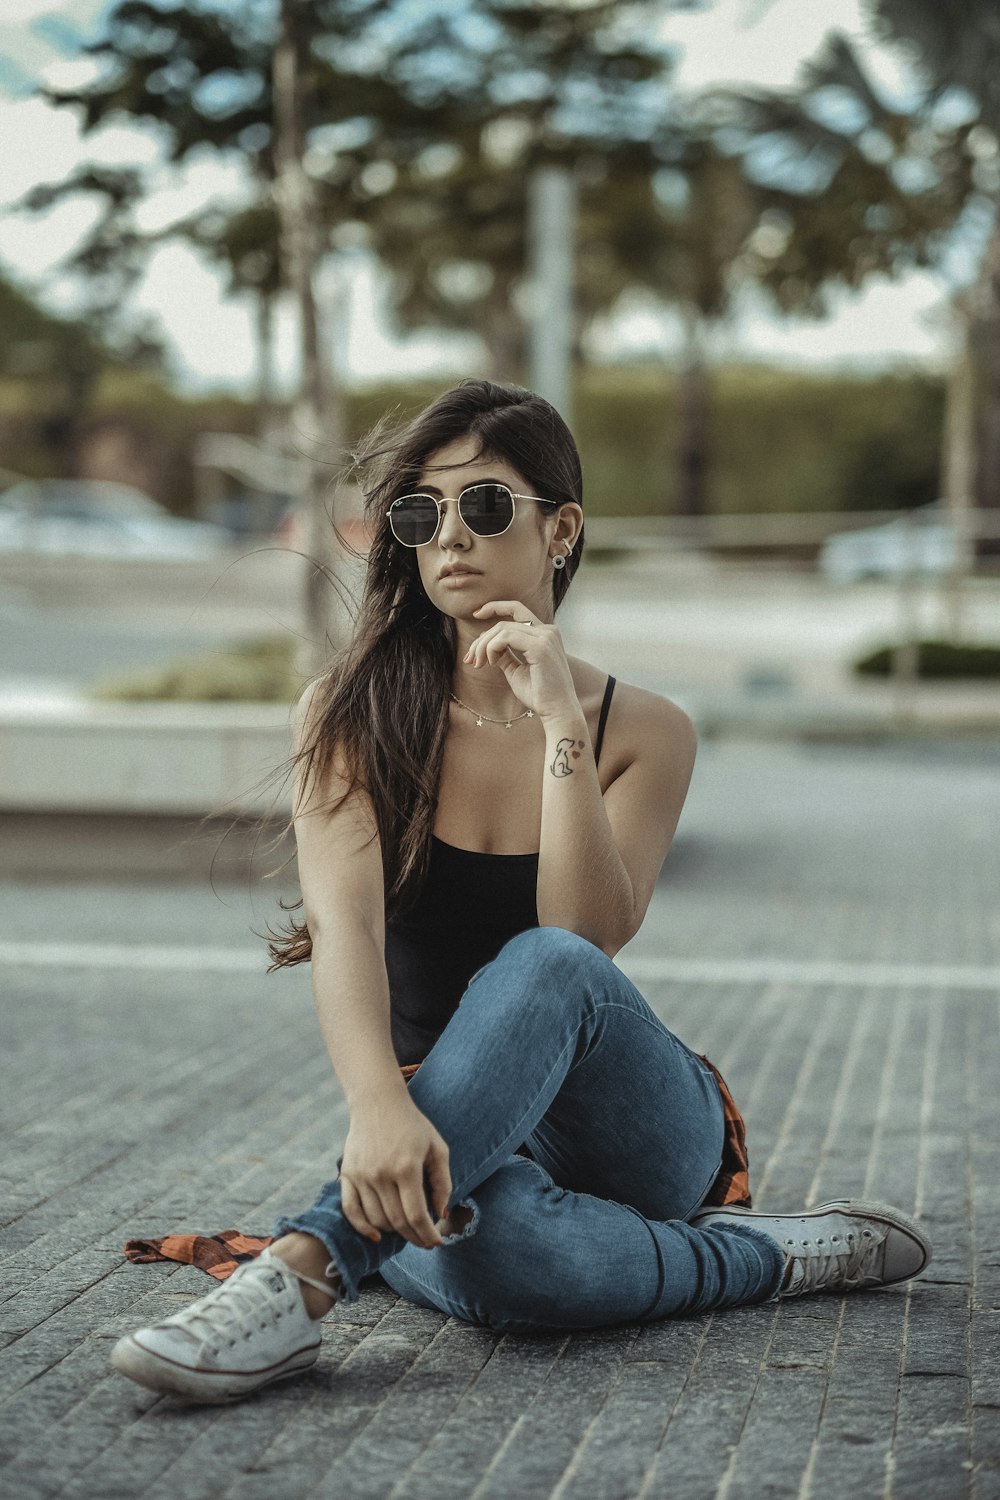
515 565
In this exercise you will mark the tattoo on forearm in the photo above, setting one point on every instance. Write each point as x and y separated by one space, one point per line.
565 748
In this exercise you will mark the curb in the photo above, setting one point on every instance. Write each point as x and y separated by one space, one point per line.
168 758
226 759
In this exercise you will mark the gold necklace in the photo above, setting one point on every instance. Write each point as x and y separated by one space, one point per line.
480 718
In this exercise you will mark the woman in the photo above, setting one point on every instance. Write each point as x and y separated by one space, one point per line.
480 822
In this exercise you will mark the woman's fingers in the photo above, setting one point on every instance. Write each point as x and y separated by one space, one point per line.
509 636
439 1178
392 1206
354 1213
400 1207
512 609
414 1206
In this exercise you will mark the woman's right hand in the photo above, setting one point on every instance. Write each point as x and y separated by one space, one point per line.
390 1146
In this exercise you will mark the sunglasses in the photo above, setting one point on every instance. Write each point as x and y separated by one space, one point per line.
486 509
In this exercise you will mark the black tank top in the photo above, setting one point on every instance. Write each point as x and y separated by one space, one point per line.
468 907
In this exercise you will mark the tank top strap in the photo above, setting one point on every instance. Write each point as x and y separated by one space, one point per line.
606 704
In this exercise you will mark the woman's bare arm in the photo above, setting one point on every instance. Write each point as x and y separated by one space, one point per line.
600 855
340 873
394 1159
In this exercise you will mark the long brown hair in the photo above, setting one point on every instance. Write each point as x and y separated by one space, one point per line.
383 704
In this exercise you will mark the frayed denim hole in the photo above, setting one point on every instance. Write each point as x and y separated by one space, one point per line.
470 1228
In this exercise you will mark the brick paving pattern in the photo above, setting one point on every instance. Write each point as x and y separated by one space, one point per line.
866 1085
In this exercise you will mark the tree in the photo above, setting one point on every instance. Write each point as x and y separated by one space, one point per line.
245 242
957 47
847 184
583 87
233 81
679 234
425 125
850 185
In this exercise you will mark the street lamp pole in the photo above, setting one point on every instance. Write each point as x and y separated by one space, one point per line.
551 212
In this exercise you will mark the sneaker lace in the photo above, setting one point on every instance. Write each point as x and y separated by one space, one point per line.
849 1268
235 1310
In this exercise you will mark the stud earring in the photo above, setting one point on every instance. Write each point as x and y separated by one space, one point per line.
559 561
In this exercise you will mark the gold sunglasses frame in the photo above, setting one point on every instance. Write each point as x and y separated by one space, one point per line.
453 500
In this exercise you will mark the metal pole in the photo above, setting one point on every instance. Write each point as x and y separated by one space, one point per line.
904 656
958 466
551 209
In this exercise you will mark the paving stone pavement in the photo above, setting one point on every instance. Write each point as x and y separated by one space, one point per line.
142 1099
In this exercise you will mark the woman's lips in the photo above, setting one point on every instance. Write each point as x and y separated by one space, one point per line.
455 580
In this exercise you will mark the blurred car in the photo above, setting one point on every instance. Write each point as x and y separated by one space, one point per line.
927 545
94 518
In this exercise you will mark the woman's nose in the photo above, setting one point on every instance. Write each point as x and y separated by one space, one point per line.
453 529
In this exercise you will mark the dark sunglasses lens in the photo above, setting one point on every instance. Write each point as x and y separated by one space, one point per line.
414 520
487 509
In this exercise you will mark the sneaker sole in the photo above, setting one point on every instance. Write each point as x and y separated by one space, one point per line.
217 1387
883 1211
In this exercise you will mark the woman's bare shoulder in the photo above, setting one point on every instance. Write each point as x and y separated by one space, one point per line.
639 720
630 704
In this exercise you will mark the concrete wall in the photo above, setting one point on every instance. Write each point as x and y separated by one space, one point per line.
146 758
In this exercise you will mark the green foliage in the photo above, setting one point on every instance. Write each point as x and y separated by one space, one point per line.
813 442
49 369
260 671
937 659
956 46
848 184
423 124
782 440
37 346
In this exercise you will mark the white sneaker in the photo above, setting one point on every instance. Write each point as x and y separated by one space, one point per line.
837 1247
249 1331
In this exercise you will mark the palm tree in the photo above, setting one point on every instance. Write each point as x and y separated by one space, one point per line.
851 185
958 46
680 234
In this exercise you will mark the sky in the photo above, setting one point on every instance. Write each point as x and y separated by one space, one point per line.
210 337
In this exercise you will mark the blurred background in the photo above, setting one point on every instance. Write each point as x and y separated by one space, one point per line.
749 248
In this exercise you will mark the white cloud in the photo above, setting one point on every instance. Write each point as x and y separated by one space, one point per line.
212 336
194 185
40 144
755 42
764 43
23 12
44 144
884 322
28 47
71 72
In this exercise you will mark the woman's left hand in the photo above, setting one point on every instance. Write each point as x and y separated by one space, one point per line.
529 653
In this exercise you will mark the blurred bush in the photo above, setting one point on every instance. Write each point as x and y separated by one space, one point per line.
788 441
259 671
779 440
936 658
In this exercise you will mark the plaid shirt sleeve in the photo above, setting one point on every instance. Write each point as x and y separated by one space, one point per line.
732 1186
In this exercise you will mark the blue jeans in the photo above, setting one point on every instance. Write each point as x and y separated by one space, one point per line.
553 1048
